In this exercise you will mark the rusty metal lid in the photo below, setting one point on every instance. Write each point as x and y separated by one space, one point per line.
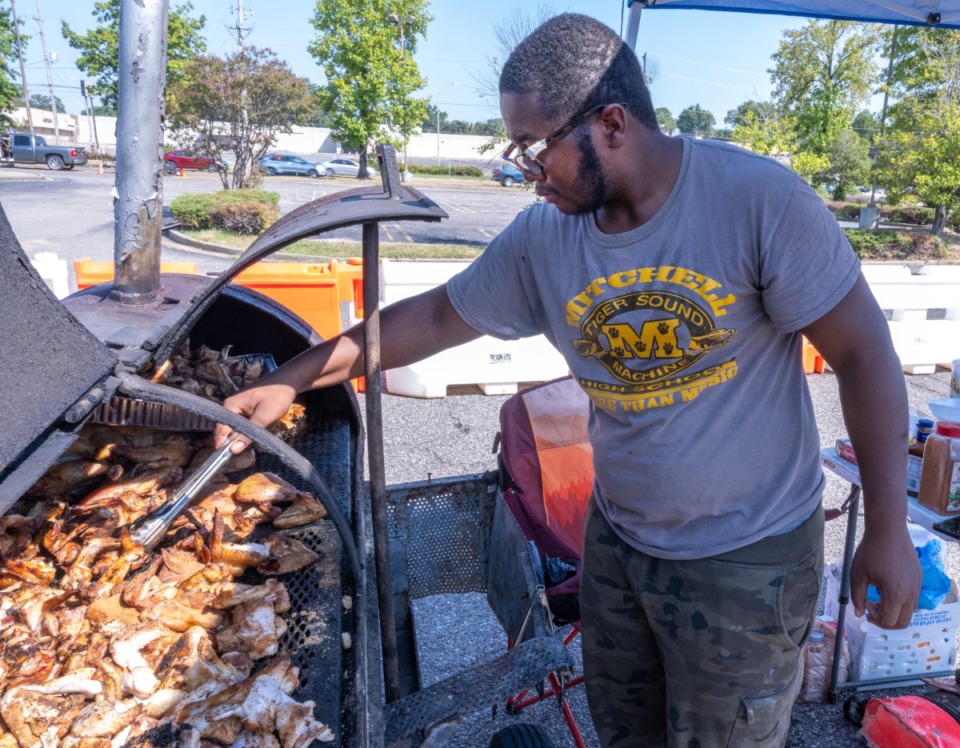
48 360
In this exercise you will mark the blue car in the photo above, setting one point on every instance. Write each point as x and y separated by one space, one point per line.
276 163
508 174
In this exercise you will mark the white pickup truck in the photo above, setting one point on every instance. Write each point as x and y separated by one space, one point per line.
20 148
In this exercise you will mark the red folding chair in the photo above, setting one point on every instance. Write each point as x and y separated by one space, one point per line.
546 465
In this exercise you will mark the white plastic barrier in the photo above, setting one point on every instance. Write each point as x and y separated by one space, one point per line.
496 366
921 343
53 270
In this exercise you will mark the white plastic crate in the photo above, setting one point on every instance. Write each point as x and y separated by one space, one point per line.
927 645
495 366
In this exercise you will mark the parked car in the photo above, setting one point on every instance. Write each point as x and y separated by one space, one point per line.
507 174
281 163
192 160
346 167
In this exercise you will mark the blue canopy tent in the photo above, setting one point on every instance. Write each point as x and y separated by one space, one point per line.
945 14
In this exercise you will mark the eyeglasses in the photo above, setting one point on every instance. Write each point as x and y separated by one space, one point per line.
528 159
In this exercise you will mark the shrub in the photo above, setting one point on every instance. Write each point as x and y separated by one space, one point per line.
844 211
884 244
443 171
240 211
913 215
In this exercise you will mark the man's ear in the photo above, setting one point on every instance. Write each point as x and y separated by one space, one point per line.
614 121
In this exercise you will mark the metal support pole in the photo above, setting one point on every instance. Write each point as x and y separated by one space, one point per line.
853 510
378 484
139 186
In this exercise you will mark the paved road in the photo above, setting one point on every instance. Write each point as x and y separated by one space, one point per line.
71 213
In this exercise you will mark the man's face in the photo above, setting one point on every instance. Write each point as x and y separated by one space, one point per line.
573 178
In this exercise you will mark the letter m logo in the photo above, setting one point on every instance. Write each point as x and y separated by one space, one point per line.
657 339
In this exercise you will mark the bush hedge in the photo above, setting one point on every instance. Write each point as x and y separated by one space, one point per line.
911 215
237 211
884 244
443 171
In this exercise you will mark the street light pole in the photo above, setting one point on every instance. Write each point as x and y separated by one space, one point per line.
439 90
394 18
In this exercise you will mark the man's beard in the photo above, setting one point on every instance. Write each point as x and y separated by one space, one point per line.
590 181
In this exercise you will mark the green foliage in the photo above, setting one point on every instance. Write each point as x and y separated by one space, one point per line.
370 70
696 121
822 73
238 211
245 100
770 136
870 244
919 158
866 125
456 171
849 160
666 120
40 101
10 92
99 47
810 166
762 111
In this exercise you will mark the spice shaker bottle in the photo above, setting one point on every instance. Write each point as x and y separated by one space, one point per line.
940 475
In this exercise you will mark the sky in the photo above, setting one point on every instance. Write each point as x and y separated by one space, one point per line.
715 59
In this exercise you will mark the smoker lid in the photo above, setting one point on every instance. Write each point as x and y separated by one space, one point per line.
391 202
48 360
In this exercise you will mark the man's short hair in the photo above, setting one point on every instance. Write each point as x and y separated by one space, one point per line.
572 63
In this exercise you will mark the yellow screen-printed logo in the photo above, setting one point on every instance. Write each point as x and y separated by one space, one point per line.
649 339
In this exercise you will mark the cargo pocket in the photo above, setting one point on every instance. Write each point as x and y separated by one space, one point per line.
765 720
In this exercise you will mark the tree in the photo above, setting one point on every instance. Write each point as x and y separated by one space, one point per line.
849 162
244 99
696 121
919 156
762 111
371 78
771 136
866 125
99 48
10 92
822 73
665 120
40 101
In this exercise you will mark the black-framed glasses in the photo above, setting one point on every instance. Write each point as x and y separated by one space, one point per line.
528 159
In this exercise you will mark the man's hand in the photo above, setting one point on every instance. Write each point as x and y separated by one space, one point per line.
891 565
263 403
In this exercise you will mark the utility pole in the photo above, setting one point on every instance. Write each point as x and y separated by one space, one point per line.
23 71
46 63
240 31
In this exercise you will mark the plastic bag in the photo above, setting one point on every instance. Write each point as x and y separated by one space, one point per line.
936 583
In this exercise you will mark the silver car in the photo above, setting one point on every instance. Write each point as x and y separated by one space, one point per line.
343 167
277 163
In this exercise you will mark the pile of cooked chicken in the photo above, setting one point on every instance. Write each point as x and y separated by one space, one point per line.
103 644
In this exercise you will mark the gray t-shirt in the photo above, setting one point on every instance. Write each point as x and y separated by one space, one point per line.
684 333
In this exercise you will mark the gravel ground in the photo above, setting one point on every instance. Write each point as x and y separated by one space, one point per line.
454 436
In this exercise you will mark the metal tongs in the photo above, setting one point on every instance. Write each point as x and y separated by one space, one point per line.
149 529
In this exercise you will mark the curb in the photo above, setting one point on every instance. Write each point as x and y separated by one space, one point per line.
206 247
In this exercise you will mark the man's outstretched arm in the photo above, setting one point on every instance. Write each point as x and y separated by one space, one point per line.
410 331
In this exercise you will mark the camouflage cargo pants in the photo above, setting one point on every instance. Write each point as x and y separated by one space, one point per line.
698 653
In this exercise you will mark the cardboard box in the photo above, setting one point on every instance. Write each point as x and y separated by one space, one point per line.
927 645
845 451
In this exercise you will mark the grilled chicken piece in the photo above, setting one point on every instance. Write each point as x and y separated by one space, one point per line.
33 571
235 593
179 617
105 610
69 477
193 661
142 485
249 739
103 719
304 510
174 449
34 716
287 555
243 461
254 630
265 488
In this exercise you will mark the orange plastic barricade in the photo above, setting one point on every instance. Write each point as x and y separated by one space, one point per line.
90 273
349 276
311 291
813 362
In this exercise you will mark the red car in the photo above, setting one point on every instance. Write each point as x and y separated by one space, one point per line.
191 160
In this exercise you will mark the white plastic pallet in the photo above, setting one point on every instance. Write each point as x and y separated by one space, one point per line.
922 344
497 367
